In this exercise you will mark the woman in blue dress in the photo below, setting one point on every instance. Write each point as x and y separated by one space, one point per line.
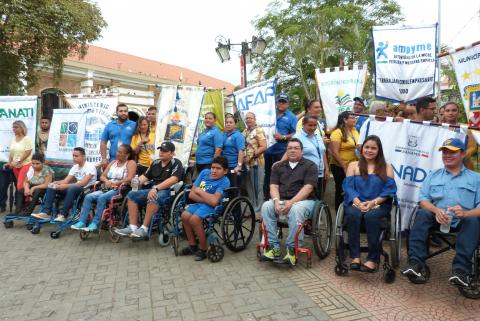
233 149
209 143
369 188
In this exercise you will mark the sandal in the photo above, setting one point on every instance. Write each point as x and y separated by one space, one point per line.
367 269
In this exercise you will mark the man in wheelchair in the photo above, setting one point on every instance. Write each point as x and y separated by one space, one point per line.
292 183
450 194
164 173
207 193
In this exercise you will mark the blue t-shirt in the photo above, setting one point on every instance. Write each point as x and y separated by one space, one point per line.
286 124
233 142
209 185
313 149
118 134
208 141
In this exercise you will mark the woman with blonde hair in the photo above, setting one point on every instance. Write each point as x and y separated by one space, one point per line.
20 156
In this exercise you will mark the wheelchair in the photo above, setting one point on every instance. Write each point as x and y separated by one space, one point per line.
319 227
473 290
112 216
390 230
234 215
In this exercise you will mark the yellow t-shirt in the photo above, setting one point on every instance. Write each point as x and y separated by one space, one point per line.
147 151
347 149
18 148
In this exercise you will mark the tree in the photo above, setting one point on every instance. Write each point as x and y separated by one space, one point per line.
47 31
306 34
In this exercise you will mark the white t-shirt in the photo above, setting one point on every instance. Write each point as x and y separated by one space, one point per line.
80 173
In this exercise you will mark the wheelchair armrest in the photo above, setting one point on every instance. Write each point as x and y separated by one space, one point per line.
175 188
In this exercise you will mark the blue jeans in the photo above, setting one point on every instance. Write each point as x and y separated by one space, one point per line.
102 199
353 218
140 197
468 233
296 216
69 196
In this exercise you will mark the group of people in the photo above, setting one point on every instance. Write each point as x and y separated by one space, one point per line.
282 180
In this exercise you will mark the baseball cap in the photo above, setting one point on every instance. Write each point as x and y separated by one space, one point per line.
167 147
359 99
453 144
282 96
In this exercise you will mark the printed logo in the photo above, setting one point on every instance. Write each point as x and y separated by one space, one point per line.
412 147
68 134
380 50
343 101
412 141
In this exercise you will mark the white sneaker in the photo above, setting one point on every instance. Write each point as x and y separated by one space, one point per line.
59 218
42 216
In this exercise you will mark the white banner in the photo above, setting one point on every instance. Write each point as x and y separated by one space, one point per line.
67 131
14 108
467 69
260 100
338 88
412 150
404 61
100 110
178 109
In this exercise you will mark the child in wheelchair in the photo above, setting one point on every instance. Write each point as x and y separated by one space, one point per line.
206 192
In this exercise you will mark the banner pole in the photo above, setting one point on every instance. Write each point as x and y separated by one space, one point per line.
439 11
446 53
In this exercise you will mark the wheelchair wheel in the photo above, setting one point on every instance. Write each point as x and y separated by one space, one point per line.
114 237
55 235
238 224
8 224
473 290
215 253
35 229
389 275
341 269
28 226
164 238
84 235
175 244
396 243
322 229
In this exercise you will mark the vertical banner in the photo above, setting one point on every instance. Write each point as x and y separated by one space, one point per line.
405 59
467 69
212 102
100 110
260 100
177 118
14 108
67 131
412 150
338 88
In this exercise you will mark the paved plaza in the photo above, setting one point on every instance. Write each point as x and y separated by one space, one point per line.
70 279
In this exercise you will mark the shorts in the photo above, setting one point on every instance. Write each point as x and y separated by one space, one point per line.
202 210
140 197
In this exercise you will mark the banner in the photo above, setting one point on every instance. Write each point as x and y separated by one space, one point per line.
67 131
467 70
212 102
338 88
14 108
177 118
412 150
260 100
100 110
404 61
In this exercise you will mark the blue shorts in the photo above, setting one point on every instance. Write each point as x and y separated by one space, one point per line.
200 209
140 197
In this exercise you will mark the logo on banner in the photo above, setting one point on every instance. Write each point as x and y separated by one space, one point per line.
412 143
344 101
68 134
381 51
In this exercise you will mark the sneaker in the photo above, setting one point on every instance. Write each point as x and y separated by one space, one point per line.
139 233
460 279
92 227
189 250
79 226
272 254
124 231
200 255
42 216
60 218
412 269
290 258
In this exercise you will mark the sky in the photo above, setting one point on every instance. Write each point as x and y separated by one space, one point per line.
183 32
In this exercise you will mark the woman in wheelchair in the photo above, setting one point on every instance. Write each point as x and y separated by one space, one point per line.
35 184
207 193
368 187
118 172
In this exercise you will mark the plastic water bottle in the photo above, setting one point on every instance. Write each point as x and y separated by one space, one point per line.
282 217
445 228
135 183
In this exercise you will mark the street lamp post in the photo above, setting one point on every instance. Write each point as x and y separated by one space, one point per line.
255 47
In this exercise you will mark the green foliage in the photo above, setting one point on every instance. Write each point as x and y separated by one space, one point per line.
35 31
306 34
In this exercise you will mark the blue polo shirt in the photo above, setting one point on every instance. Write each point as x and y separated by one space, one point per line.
313 149
286 124
233 142
209 185
210 139
444 190
118 134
